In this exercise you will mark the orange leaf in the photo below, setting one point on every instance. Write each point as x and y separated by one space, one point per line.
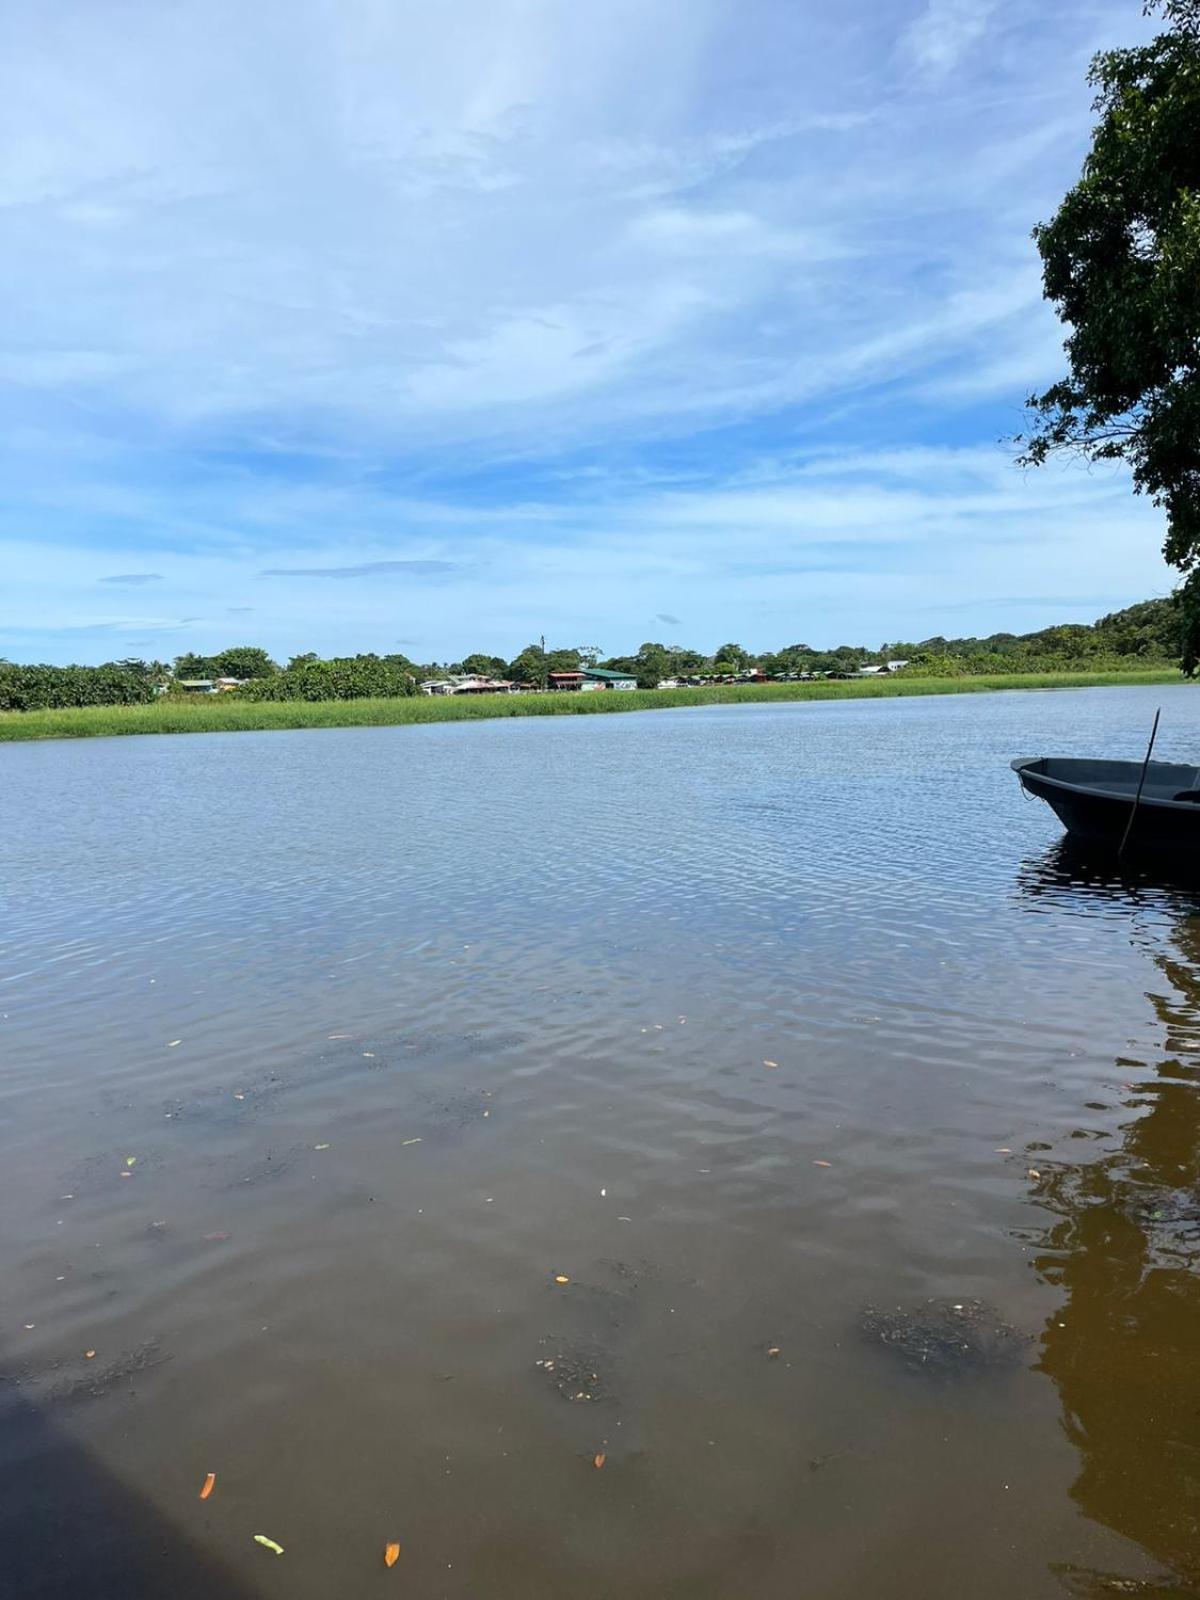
391 1554
210 1484
599 1460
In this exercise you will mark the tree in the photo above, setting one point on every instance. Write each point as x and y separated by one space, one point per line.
245 661
530 666
651 665
1121 263
485 666
730 658
189 665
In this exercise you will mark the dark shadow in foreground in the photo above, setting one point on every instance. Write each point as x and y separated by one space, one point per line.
1124 1248
70 1531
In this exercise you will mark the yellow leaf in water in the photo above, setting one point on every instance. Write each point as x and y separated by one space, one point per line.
269 1544
599 1459
561 1277
130 1161
210 1484
391 1554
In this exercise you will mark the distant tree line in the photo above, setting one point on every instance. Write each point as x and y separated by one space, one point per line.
1149 634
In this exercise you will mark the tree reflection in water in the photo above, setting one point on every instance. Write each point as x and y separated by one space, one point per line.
1124 1348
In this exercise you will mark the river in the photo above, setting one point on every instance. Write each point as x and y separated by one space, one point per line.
396 1123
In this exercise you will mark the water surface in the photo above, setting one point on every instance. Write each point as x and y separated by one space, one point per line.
325 1055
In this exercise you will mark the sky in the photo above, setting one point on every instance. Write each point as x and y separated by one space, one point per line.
377 325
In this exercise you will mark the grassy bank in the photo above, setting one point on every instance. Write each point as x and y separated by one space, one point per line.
225 714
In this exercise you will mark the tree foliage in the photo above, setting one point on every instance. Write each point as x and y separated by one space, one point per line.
1121 263
37 688
342 678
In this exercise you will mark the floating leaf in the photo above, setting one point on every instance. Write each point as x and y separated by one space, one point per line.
561 1277
210 1483
410 1141
599 1459
391 1554
89 1355
269 1544
320 1147
770 1063
130 1161
773 1350
171 1043
822 1163
1034 1174
1002 1150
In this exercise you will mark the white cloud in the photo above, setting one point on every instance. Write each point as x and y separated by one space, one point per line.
945 31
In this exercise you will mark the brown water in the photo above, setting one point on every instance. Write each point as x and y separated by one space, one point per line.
326 1054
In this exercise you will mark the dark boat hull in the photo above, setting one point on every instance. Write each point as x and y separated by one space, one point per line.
1095 799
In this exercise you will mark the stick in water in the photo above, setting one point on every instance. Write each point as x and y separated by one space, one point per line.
1138 796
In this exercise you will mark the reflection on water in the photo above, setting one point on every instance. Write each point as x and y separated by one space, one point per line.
406 1118
1124 1250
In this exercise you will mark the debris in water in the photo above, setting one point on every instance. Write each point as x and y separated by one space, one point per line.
1034 1174
89 1355
822 1163
320 1147
130 1161
599 1459
770 1063
171 1043
561 1277
772 1350
947 1337
210 1484
269 1544
391 1554
215 1238
410 1141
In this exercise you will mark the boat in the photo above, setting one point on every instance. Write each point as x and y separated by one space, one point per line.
1158 802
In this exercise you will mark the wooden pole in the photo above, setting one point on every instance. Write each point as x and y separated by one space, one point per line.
1137 799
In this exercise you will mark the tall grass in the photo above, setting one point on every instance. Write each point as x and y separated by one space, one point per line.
227 714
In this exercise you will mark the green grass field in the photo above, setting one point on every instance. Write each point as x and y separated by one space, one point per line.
224 714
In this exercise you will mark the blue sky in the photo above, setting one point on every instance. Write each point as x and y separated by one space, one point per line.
375 324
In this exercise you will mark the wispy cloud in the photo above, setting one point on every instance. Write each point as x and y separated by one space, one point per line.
367 569
944 31
665 616
133 579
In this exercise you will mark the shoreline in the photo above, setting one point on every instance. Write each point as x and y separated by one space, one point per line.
225 714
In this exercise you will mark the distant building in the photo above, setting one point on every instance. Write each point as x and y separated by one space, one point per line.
600 678
466 683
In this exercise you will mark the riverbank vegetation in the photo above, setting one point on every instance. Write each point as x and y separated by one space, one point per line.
233 714
1140 637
